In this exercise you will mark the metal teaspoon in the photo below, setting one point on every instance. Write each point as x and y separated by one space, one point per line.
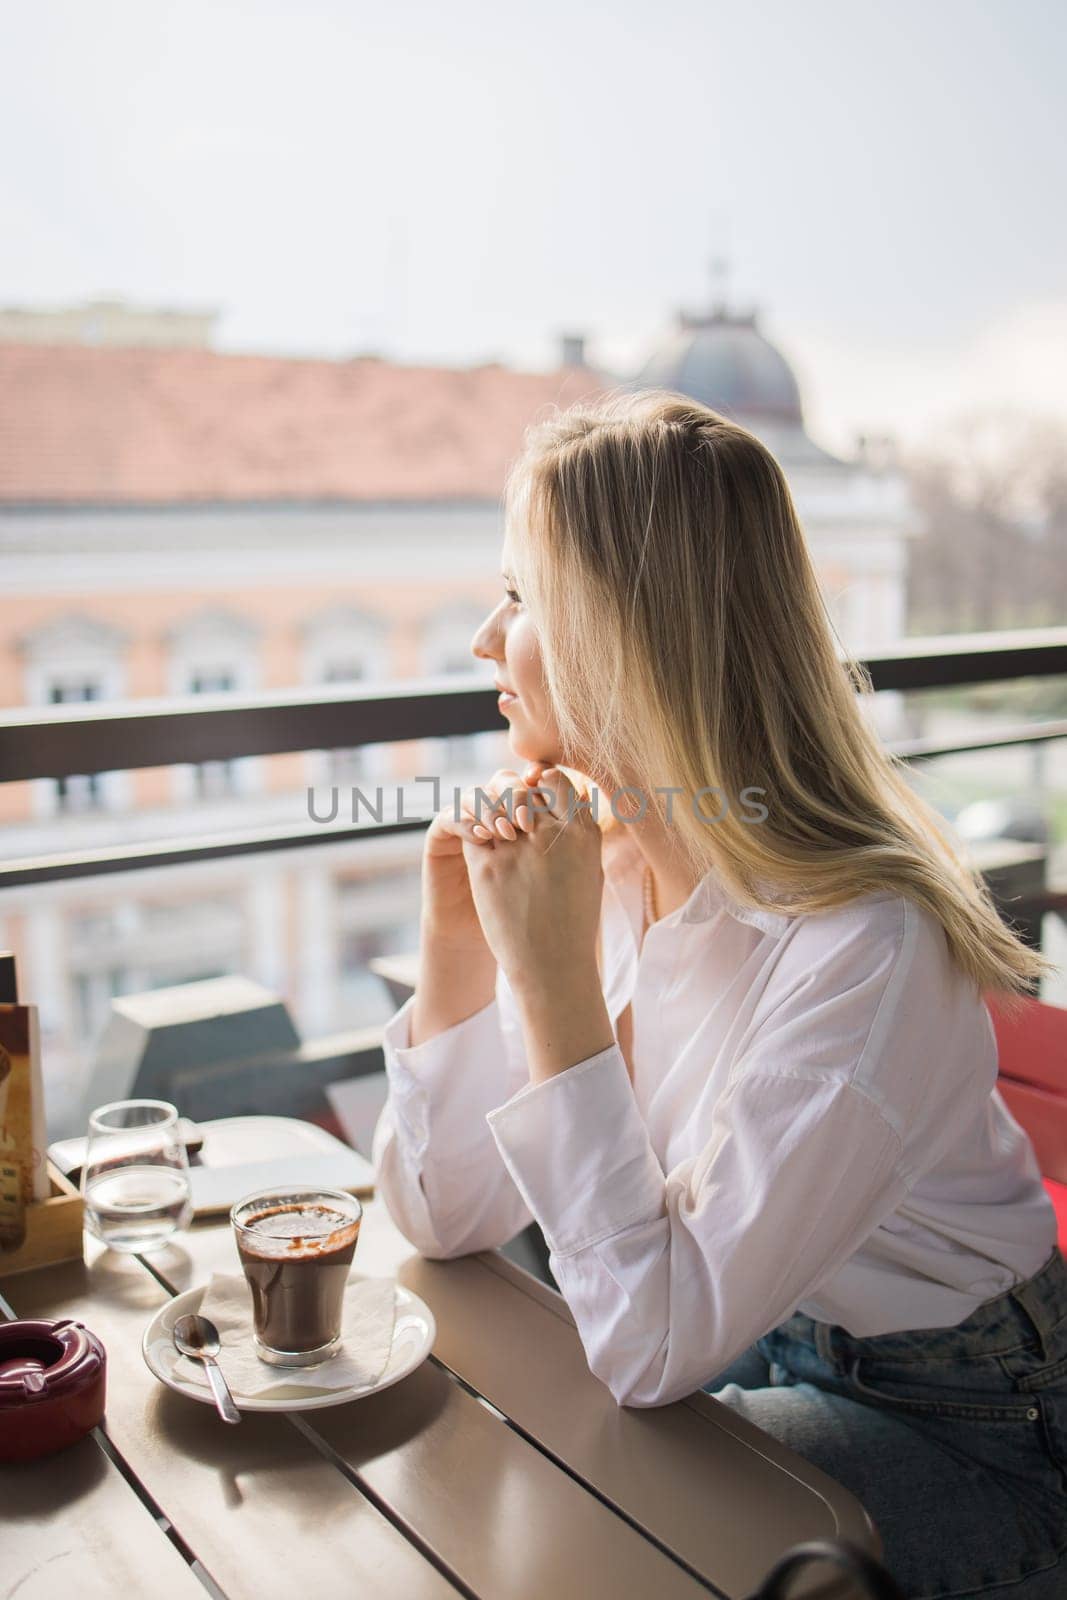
198 1339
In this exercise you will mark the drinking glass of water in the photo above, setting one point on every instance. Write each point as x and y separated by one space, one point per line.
135 1181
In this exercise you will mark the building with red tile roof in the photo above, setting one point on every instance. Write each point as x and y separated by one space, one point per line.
112 426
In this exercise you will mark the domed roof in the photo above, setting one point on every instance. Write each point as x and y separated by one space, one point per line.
723 361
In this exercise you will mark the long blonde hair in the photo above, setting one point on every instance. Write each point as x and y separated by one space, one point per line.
686 644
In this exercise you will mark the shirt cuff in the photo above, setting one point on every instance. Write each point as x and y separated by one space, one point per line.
441 1089
579 1153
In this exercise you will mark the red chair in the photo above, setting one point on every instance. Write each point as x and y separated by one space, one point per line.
1033 1085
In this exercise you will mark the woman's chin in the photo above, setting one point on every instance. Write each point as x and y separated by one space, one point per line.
525 747
519 742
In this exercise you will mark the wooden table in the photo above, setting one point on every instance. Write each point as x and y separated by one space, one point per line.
499 1469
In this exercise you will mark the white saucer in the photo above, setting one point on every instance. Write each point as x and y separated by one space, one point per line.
413 1335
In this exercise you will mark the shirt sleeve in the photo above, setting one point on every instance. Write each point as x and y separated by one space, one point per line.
436 1164
671 1275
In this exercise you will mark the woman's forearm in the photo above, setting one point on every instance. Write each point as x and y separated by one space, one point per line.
454 981
564 1020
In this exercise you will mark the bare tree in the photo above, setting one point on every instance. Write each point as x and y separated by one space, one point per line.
992 498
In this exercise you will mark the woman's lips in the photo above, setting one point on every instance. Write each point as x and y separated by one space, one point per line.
505 698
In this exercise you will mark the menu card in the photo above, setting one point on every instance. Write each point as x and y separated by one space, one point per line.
23 1173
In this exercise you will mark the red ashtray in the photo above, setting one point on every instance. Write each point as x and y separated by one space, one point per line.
52 1378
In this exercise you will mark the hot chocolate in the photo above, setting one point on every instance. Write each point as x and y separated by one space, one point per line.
296 1251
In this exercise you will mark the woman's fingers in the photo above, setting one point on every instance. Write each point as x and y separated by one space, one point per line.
560 789
497 811
478 826
508 804
568 803
464 824
505 798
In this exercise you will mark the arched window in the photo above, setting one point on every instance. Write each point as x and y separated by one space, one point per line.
446 649
75 660
344 644
214 651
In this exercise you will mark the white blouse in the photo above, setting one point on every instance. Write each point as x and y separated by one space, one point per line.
813 1125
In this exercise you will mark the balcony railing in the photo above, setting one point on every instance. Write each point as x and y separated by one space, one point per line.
53 742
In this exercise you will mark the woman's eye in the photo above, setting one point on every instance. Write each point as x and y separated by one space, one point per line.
513 596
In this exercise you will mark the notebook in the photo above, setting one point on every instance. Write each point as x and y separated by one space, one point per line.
239 1155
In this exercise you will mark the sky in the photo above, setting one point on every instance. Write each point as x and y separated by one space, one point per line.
464 182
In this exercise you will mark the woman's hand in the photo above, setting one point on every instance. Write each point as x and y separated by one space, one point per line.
538 894
449 914
448 909
457 969
538 897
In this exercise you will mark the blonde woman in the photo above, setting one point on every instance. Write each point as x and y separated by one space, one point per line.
726 1042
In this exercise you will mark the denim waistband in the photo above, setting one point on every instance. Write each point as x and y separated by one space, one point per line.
1034 1308
1044 1295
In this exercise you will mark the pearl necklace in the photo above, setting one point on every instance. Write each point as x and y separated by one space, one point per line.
651 913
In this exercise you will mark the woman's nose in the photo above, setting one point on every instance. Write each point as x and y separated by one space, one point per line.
487 643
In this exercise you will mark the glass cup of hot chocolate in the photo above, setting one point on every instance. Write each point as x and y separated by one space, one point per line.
296 1249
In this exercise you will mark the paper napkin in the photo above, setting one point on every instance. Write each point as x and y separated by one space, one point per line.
367 1319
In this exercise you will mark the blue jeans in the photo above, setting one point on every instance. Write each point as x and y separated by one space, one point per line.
954 1439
